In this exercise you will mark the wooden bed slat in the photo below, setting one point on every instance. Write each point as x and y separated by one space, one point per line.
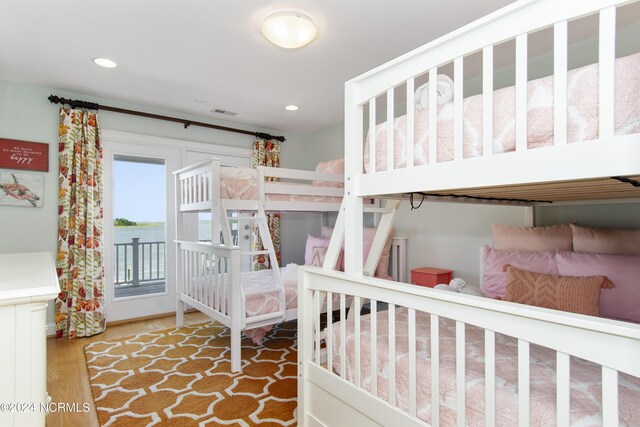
435 370
343 336
460 375
410 120
411 326
609 397
392 353
563 390
329 331
521 92
458 108
390 125
490 377
523 383
560 31
606 70
356 327
374 347
372 139
487 101
433 116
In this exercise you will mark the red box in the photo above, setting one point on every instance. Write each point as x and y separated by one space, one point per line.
428 276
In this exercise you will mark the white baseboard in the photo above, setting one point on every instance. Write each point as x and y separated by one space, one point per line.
51 329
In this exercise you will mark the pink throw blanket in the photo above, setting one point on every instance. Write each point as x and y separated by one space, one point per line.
582 117
585 376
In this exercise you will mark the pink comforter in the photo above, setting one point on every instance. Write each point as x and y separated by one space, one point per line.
585 376
582 117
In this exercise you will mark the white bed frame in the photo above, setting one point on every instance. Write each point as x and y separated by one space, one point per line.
218 263
326 399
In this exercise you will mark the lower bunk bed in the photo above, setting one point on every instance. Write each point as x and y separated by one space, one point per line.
443 358
251 302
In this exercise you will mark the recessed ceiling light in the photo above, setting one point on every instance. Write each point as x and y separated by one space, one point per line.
105 62
289 30
292 107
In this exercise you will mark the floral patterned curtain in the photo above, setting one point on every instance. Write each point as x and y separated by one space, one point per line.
79 308
266 153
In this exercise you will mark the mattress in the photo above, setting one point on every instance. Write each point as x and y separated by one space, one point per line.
582 117
242 184
585 376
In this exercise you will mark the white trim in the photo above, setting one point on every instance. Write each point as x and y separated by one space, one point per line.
130 137
51 329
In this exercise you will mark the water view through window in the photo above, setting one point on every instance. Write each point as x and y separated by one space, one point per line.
139 210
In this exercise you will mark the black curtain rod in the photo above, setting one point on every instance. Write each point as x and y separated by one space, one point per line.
74 103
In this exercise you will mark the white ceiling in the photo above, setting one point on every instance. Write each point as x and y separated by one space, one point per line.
172 52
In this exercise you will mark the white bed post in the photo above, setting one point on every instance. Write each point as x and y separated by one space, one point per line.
214 196
352 204
178 255
236 309
529 216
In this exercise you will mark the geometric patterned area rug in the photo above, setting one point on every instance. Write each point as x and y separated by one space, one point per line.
182 377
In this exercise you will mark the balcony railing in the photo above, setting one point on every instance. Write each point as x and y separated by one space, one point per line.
139 262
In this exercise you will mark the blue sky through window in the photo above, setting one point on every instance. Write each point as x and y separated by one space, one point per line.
139 191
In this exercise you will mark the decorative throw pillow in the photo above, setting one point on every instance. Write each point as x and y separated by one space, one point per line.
315 250
494 277
566 293
623 302
532 238
382 269
606 241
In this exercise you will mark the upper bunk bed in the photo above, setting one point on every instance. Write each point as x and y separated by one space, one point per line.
569 132
209 182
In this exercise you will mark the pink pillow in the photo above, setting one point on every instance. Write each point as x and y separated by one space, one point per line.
494 280
382 269
621 302
315 250
331 166
605 241
532 238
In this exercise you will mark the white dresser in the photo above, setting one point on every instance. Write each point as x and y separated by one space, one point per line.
27 282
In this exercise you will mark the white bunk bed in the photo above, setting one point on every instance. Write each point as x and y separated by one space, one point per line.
337 388
209 276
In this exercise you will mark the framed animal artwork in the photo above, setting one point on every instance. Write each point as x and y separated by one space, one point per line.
21 189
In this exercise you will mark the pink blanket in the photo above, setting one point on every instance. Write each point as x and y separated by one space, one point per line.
582 117
242 184
585 376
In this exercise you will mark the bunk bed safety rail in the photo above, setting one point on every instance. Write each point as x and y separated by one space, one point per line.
397 339
479 37
210 280
194 189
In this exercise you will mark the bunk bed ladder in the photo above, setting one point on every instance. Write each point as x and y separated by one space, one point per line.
384 227
260 218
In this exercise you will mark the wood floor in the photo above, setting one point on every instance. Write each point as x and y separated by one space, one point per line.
67 376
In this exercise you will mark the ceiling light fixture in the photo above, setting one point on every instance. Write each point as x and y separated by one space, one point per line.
292 107
105 62
289 30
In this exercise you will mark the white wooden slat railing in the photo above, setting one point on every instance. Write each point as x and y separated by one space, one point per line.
527 324
521 92
433 116
458 107
490 377
487 101
563 388
434 55
390 125
435 370
410 121
606 72
560 59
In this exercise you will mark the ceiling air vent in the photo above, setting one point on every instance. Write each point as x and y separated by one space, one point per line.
225 112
